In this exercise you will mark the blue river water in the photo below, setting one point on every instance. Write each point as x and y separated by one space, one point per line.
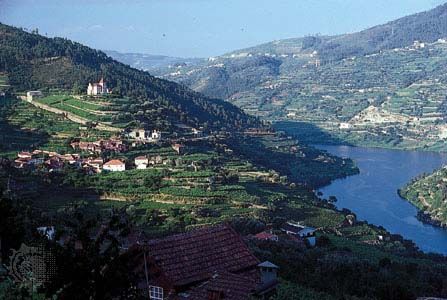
372 195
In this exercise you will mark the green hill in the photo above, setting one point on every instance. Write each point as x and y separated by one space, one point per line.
365 88
32 61
429 194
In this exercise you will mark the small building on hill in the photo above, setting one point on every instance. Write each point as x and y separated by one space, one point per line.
206 263
141 162
143 135
300 231
97 89
266 236
114 165
179 148
33 95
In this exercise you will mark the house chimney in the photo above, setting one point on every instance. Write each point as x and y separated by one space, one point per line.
268 273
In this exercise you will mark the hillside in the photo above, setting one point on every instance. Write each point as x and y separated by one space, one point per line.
391 93
429 194
149 62
31 61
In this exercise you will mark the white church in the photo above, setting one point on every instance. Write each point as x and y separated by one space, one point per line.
95 89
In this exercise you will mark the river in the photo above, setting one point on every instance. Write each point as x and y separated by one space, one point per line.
372 195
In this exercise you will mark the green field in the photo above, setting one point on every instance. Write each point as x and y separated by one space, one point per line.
101 111
25 127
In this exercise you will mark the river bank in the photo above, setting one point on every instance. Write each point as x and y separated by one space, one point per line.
372 195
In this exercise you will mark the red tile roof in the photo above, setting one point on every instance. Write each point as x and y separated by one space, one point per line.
227 285
266 236
197 255
114 162
141 158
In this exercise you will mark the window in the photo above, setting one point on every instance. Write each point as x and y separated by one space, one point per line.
155 293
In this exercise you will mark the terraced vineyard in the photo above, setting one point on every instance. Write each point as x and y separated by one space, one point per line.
4 82
168 196
92 109
395 98
25 127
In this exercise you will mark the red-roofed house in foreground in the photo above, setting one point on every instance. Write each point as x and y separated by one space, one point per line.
207 263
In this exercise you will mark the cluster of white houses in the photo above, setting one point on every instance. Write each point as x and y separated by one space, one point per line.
54 162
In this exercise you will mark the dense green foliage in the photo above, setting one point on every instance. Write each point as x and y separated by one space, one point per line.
429 193
36 62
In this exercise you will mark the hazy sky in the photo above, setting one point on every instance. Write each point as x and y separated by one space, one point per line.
199 28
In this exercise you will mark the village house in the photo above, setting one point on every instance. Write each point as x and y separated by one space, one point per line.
33 95
95 89
179 148
143 135
72 159
54 164
196 132
87 146
114 145
301 231
141 162
25 159
156 160
25 155
114 165
266 236
206 263
94 162
21 163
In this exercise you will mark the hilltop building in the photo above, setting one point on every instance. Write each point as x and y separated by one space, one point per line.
95 89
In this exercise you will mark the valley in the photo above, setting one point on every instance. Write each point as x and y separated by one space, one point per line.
200 176
392 96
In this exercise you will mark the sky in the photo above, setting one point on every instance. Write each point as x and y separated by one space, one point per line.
199 28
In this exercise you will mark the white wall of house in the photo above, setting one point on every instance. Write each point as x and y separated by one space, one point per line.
115 168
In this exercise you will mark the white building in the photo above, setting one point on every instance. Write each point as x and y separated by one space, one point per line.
142 167
99 88
115 165
32 95
156 135
145 135
141 162
418 45
345 126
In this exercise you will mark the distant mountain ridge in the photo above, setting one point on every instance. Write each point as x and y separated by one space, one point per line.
149 62
426 26
370 87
